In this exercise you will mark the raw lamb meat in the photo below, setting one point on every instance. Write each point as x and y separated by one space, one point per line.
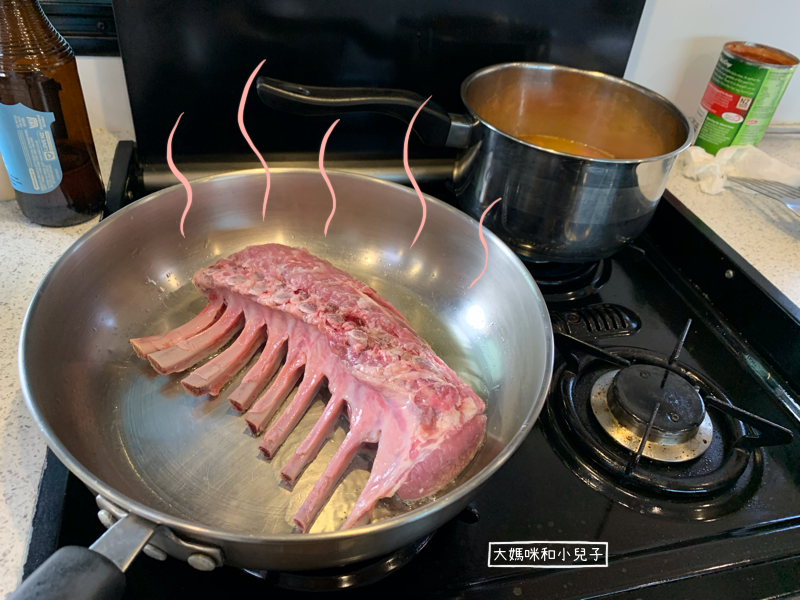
325 326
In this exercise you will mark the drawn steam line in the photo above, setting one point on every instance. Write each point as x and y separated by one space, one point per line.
483 241
325 175
410 176
247 137
327 135
178 174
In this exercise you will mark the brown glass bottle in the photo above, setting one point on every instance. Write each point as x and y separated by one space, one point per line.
46 142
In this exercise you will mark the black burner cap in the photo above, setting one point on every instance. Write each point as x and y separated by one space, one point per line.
633 396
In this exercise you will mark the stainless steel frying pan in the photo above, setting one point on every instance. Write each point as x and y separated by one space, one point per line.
181 473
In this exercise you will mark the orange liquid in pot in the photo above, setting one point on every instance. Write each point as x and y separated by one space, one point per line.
564 145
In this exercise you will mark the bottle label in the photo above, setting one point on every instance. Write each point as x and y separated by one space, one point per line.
28 149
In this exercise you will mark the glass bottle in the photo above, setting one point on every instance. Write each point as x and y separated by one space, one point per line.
45 139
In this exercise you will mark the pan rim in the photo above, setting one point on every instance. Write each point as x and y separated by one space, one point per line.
209 532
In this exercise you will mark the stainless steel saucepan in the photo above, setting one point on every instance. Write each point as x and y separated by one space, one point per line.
557 206
181 474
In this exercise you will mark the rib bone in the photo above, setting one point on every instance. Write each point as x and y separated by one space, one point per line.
257 377
309 448
270 402
147 345
326 484
189 352
280 430
210 378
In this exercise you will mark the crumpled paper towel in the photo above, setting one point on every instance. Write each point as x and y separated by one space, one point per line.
736 161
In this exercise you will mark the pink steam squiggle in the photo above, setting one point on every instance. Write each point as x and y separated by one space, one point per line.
325 175
247 137
410 176
483 241
178 174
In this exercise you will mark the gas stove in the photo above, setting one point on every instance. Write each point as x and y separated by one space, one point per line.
670 434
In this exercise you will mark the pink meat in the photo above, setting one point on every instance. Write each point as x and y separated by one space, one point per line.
428 424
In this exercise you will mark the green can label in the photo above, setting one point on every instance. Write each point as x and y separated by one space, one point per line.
739 101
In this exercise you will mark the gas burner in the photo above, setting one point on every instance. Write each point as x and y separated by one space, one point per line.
624 400
560 282
347 577
653 435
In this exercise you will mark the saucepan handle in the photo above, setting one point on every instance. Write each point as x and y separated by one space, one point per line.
434 125
96 573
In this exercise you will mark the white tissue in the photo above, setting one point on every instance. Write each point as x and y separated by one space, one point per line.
735 161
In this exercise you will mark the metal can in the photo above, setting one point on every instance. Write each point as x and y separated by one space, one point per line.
745 89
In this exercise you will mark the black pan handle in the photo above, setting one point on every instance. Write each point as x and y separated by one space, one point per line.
96 573
434 125
73 573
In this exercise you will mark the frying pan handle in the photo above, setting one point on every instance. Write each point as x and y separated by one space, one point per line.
434 125
73 573
96 573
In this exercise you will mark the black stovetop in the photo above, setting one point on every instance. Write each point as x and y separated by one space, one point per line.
753 551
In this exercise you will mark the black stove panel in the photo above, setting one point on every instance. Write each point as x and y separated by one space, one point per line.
194 57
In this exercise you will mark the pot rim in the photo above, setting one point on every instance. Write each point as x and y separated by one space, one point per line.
681 117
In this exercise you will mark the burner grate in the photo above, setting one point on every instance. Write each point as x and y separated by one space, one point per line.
560 282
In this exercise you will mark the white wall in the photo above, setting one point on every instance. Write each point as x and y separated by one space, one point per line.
679 41
103 83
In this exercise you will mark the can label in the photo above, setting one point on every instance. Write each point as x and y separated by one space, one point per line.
28 149
739 102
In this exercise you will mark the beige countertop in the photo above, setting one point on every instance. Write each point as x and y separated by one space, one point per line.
763 235
26 253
